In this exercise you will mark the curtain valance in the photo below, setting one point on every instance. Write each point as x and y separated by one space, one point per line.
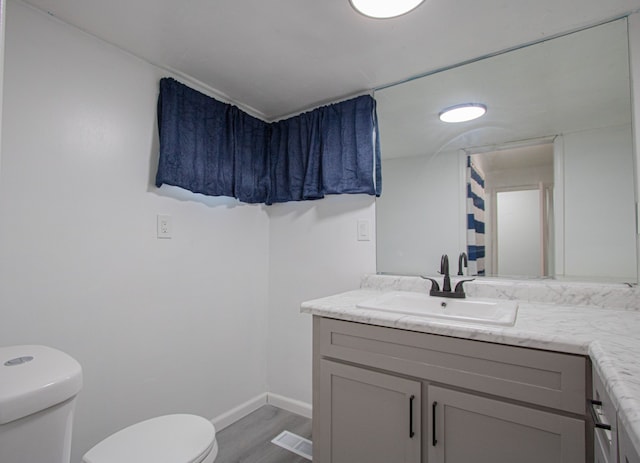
216 149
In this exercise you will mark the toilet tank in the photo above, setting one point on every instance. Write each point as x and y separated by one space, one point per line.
38 387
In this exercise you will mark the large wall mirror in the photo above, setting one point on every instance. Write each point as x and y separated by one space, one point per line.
541 186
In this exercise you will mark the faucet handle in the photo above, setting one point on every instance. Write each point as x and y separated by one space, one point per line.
459 288
435 287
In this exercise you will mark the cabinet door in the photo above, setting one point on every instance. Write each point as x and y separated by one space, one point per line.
470 428
367 416
600 455
602 411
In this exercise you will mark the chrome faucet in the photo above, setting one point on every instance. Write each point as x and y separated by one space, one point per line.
458 292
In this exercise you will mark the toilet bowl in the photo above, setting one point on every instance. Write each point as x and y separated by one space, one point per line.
165 439
38 389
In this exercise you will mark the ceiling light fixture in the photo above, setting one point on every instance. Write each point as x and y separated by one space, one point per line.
462 112
382 9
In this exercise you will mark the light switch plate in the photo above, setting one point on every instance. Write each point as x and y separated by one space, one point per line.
364 230
164 226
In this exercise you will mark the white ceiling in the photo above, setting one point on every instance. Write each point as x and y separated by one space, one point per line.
279 57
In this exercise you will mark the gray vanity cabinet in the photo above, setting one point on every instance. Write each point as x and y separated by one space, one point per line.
476 429
379 391
368 416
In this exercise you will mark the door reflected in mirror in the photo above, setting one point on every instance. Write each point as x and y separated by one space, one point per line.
513 190
555 152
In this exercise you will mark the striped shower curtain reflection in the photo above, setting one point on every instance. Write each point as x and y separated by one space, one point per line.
475 219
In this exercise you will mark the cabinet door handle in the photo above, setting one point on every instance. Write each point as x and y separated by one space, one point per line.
434 441
594 414
411 433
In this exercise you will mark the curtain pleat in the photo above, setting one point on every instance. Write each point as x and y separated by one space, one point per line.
251 153
295 151
216 149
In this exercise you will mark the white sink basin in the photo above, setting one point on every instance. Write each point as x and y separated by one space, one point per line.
469 310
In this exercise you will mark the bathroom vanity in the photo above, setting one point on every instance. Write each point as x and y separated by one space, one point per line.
388 395
396 388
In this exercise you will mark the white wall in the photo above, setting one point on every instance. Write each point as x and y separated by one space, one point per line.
159 326
509 179
314 252
421 214
599 211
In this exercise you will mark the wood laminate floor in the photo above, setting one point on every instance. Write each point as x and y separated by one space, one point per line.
249 439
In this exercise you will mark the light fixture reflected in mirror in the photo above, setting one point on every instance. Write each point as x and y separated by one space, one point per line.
462 112
382 9
573 92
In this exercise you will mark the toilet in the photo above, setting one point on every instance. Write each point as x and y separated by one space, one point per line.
38 389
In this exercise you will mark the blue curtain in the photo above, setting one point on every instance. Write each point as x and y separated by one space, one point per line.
475 219
216 149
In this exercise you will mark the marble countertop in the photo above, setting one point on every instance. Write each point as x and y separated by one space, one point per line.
610 337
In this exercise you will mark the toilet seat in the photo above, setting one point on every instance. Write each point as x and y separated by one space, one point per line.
165 439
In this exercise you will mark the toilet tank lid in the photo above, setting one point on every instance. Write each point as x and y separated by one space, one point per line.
33 378
180 438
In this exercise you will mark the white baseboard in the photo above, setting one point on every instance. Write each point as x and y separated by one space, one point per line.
251 405
290 405
242 410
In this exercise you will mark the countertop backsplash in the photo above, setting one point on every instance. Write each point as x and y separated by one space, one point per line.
619 296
